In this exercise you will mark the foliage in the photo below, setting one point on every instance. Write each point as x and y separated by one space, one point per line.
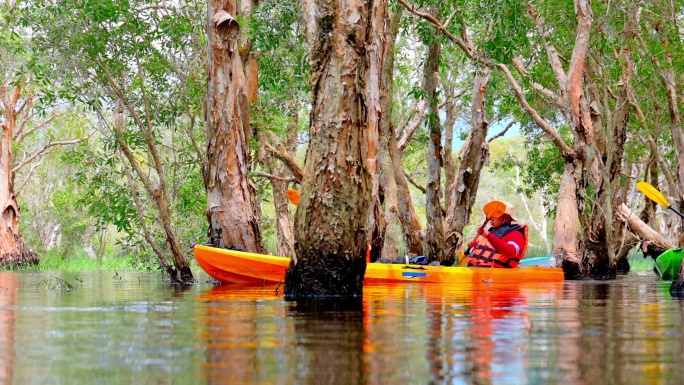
82 57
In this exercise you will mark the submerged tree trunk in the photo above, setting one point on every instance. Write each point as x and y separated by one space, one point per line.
475 156
331 221
231 205
13 251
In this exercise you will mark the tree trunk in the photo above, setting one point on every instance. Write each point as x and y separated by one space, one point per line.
231 205
331 221
180 272
284 227
447 153
434 232
13 251
604 238
474 157
376 100
568 247
407 212
390 247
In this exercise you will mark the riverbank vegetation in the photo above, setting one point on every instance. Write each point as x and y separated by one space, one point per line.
133 129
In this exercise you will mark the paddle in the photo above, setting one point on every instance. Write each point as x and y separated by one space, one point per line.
656 196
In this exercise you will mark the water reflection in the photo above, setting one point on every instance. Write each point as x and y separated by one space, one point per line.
9 288
139 329
329 341
426 333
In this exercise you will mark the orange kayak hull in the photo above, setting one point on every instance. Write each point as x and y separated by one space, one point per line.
231 266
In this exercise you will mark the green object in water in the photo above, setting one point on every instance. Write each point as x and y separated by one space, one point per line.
669 262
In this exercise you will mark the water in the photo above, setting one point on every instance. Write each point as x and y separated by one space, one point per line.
136 329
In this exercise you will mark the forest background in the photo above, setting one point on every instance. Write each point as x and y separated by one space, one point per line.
107 103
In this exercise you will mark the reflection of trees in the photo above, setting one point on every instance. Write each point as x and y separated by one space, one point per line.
617 332
568 330
329 342
573 332
241 347
9 288
250 339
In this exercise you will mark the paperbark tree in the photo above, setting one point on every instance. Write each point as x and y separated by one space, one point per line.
345 40
474 156
434 232
231 205
13 250
572 104
387 150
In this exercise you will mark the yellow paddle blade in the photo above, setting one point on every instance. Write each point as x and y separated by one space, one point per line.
292 196
652 193
494 209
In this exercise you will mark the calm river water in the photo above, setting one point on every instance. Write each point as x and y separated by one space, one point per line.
136 329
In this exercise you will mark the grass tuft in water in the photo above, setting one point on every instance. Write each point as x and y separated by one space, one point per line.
54 283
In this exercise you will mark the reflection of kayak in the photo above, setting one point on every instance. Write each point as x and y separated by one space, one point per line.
230 266
668 263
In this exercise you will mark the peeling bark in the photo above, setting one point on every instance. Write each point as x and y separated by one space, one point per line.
434 231
331 221
13 250
231 205
474 156
387 150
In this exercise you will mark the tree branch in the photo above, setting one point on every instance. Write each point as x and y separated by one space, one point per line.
281 153
414 183
26 179
21 135
275 177
460 42
421 113
541 122
42 151
502 133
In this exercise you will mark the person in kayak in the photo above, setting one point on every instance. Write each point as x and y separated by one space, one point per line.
502 245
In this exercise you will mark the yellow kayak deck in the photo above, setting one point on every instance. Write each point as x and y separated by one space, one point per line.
231 266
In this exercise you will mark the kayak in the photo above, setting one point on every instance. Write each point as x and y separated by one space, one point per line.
232 266
668 263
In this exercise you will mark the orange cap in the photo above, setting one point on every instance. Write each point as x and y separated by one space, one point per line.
495 209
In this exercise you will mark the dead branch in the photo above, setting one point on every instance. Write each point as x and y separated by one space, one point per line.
653 243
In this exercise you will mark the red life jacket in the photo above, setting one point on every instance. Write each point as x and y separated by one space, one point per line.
484 255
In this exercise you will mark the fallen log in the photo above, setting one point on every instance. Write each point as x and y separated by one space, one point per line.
652 242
